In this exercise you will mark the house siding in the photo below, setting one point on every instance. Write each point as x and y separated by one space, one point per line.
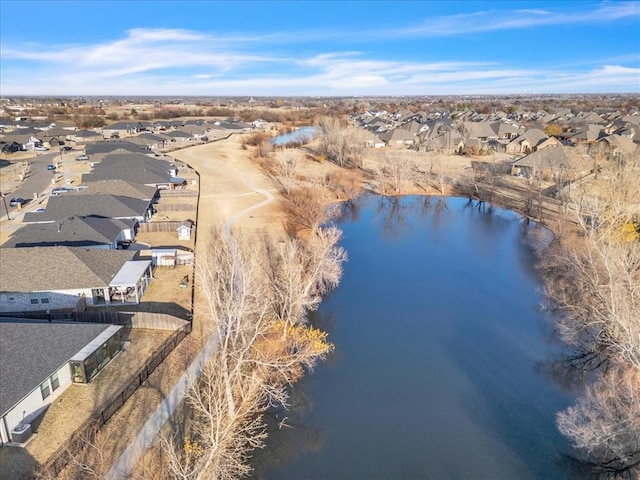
57 300
31 406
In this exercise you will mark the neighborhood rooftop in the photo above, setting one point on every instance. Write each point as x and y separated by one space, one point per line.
58 268
30 351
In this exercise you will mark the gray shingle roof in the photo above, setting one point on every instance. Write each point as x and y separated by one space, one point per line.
46 269
135 168
31 351
550 157
69 232
107 147
85 134
100 205
120 187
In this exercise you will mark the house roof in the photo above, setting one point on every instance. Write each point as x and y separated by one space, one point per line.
547 158
101 205
135 168
47 269
69 232
480 130
178 134
397 134
85 134
108 147
590 133
120 187
625 144
534 136
31 351
125 126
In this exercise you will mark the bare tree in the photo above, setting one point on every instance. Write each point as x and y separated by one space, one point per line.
604 424
306 208
592 276
248 372
286 165
302 272
394 171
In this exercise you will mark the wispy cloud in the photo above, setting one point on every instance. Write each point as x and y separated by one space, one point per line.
494 20
178 61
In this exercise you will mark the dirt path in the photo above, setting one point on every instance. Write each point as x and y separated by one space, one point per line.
208 216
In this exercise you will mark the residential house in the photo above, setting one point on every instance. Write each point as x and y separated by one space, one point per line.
98 205
97 151
371 140
530 141
124 129
122 188
179 137
547 163
615 144
70 278
398 137
135 168
586 135
150 141
89 232
84 136
442 138
40 360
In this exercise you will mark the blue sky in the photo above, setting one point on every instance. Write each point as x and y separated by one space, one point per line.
318 48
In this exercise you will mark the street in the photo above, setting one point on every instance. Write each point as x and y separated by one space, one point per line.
36 181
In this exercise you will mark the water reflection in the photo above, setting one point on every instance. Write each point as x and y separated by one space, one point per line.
440 344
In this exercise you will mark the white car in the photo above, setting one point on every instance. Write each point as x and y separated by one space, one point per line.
40 149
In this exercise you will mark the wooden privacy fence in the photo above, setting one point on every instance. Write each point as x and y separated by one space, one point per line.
168 226
174 207
88 430
158 321
177 193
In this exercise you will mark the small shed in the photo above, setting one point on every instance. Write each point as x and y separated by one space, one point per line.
184 230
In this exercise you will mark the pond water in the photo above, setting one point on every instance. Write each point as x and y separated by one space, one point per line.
295 136
440 367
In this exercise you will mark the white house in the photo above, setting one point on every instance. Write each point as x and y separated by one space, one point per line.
69 278
40 360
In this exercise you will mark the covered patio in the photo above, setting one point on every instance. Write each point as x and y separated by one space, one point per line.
130 282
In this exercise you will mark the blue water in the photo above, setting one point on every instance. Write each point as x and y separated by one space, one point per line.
295 136
439 347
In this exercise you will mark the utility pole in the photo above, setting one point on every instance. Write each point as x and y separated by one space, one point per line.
4 199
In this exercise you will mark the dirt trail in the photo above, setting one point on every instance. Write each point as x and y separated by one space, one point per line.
226 177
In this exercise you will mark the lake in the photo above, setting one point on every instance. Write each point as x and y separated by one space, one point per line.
440 367
295 136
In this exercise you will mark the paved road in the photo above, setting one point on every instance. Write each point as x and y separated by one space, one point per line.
125 464
37 181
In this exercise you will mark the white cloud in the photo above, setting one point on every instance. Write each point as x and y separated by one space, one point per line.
183 62
486 21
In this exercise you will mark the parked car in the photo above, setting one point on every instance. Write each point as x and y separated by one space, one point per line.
14 202
66 148
81 158
51 167
61 190
40 149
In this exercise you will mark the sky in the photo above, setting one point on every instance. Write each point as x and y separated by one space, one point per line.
324 48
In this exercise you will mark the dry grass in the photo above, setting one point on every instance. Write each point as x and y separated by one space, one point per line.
78 403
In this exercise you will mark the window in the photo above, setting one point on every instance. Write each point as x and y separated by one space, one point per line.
35 298
55 381
44 390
